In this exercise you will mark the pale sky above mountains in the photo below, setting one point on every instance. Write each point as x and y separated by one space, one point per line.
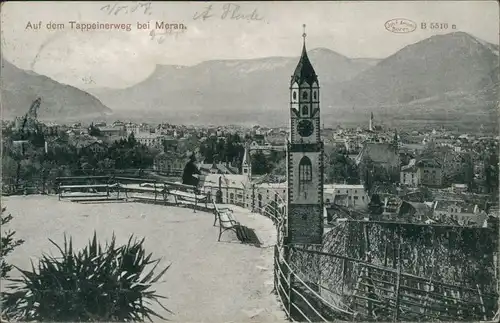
117 58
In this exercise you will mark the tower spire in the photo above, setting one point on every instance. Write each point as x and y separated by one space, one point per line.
304 34
304 72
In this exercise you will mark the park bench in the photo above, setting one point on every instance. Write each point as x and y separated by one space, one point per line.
186 193
218 209
151 192
91 190
228 222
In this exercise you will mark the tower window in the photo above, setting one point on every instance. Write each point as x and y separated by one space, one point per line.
294 95
305 170
315 95
304 110
304 95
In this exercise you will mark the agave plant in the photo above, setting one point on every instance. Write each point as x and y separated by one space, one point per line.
7 244
95 284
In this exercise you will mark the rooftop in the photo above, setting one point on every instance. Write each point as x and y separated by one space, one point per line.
304 72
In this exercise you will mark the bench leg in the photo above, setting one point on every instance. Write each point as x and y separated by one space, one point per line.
215 219
220 233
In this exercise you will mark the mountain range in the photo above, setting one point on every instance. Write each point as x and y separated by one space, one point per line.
59 102
225 91
444 79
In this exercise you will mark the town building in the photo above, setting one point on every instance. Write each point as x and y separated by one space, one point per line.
151 140
410 174
353 196
132 128
265 194
232 187
88 144
431 172
459 188
170 164
107 131
458 212
217 168
383 154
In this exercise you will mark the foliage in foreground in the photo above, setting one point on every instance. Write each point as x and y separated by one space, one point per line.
95 284
7 245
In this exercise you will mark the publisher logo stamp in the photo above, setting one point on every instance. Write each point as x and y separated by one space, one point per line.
400 26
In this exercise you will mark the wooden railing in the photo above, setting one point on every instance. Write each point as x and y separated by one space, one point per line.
139 189
360 290
381 293
300 301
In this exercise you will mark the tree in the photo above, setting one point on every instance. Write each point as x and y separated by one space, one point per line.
208 150
131 141
260 164
341 168
491 172
279 168
97 283
9 170
220 150
372 174
94 131
7 245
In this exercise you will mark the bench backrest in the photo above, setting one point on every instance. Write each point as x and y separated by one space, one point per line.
216 209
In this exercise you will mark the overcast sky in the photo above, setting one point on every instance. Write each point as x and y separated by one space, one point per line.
111 58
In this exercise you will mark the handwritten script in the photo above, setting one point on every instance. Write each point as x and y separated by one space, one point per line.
160 36
88 80
229 11
115 8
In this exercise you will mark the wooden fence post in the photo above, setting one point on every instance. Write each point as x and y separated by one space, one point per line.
344 265
287 256
483 309
367 257
398 284
290 293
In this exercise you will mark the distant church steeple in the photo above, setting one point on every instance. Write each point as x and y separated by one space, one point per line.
370 127
395 140
246 166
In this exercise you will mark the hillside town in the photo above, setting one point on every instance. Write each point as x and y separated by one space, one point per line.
437 176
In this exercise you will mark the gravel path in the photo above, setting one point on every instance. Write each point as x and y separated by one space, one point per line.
208 281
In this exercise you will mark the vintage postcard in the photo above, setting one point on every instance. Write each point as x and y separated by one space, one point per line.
250 161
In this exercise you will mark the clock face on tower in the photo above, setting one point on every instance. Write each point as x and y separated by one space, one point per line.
305 128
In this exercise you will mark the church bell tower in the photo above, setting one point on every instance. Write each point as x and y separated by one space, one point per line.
305 156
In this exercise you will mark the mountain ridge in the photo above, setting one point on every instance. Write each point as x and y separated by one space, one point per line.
60 102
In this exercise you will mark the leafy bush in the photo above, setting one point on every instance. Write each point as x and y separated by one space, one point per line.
7 245
95 284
